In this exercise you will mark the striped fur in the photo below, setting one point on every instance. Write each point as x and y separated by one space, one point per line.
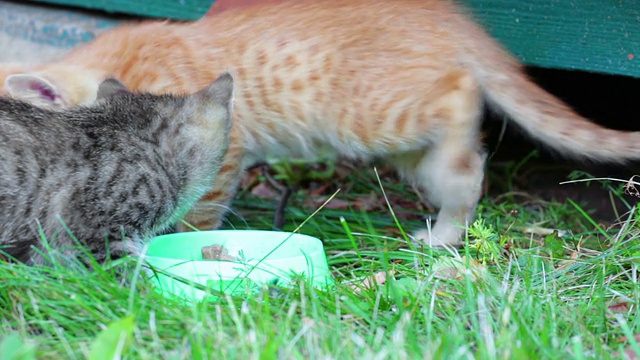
122 169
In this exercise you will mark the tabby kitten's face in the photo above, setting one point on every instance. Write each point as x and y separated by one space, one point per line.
114 173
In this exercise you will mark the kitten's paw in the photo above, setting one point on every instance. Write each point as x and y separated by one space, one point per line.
427 237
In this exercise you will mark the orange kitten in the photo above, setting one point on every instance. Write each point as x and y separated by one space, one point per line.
400 80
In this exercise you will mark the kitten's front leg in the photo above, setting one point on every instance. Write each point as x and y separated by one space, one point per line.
451 169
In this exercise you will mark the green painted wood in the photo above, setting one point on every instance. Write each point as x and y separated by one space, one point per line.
170 9
592 35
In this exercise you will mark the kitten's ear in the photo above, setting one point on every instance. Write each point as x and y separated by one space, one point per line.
32 88
111 87
220 90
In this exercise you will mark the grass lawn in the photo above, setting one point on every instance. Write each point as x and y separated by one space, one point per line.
519 290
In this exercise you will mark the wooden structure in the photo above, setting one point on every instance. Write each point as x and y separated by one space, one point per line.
591 35
172 9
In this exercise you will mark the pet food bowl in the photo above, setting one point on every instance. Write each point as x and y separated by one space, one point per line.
244 261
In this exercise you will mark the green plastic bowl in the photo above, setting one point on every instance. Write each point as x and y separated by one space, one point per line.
261 258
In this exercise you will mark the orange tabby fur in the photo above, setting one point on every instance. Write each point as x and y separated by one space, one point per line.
398 79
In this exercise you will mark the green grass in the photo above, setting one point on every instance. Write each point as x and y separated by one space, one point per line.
526 295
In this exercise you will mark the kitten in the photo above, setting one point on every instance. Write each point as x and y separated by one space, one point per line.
401 80
121 170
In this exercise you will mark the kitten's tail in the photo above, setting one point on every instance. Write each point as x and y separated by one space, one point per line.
543 116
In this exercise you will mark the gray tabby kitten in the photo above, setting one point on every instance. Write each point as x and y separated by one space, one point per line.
112 174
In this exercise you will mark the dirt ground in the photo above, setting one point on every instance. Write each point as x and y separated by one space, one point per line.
608 100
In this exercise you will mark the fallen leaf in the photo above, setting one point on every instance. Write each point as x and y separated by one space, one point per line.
630 189
308 321
625 339
321 189
455 268
368 203
379 278
335 203
249 179
344 169
619 307
541 231
264 191
401 202
629 354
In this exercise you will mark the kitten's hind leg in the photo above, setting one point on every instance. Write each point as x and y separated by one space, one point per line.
452 181
451 170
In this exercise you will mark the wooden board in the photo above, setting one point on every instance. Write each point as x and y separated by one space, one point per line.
592 35
33 33
170 9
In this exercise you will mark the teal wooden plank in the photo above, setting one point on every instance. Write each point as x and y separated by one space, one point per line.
62 28
592 35
170 9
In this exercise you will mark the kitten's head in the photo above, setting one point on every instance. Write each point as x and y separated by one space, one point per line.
191 131
61 86
206 116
